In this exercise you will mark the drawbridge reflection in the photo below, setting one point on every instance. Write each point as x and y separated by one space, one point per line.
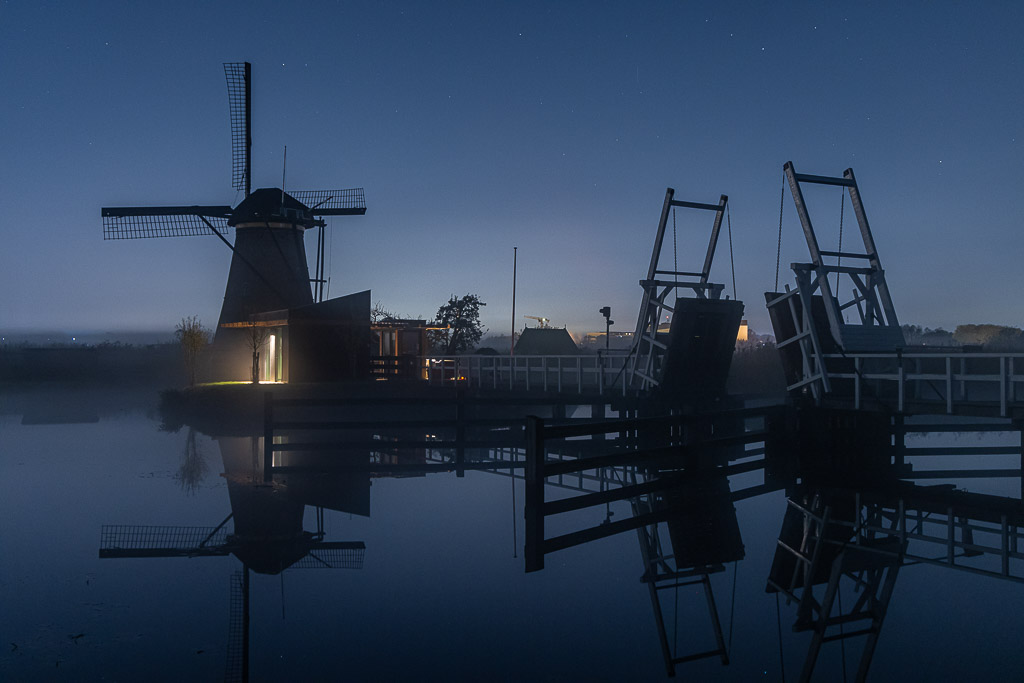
842 546
844 538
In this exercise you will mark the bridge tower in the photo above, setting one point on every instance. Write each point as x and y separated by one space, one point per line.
683 346
810 320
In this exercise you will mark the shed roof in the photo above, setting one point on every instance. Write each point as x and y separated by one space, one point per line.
546 341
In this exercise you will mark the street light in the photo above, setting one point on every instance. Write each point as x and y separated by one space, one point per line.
608 322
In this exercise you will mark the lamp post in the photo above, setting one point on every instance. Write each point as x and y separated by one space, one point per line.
608 322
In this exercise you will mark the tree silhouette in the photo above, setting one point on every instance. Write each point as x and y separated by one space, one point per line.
255 337
379 314
460 320
193 338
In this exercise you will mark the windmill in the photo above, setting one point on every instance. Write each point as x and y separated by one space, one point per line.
269 270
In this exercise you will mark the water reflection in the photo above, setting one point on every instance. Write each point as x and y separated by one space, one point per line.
699 537
266 522
837 538
848 529
870 543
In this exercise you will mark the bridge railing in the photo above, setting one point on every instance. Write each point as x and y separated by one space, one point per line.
957 379
593 373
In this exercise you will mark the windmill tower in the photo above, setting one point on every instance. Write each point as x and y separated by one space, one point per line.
269 270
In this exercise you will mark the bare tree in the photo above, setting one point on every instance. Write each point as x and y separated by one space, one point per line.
256 336
193 338
193 466
378 313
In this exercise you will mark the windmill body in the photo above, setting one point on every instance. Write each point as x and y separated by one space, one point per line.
269 271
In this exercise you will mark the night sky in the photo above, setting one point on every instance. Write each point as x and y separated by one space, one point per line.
478 126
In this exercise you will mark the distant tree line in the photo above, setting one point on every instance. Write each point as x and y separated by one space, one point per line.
990 337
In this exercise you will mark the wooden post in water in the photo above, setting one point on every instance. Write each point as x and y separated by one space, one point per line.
1019 426
597 412
899 433
460 433
533 509
268 436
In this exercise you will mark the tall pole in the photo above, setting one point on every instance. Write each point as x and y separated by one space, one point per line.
515 256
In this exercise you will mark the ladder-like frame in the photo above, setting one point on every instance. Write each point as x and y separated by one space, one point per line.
662 573
878 328
647 351
873 576
871 296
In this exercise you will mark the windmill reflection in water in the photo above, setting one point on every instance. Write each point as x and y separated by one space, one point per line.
267 534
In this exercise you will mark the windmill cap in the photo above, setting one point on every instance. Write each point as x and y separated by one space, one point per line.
271 205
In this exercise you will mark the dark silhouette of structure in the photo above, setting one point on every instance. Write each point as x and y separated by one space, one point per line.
545 341
683 347
269 271
811 319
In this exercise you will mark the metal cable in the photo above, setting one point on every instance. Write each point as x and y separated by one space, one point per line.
330 261
675 254
778 249
839 260
778 623
732 606
732 263
675 624
842 635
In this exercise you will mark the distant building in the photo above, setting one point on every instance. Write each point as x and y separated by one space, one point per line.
595 341
741 335
398 348
502 343
546 341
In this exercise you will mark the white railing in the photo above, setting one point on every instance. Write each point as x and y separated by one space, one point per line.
599 374
956 378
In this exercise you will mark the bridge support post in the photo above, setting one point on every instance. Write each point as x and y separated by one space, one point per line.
780 448
899 440
597 413
1019 426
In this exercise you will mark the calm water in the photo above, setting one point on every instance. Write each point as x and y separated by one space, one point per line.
441 593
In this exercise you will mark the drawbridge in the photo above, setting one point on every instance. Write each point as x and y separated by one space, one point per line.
682 346
841 343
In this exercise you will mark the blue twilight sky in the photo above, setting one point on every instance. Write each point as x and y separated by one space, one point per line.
479 126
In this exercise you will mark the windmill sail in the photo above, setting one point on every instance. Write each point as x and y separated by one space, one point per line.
237 668
135 222
239 77
333 555
126 540
349 202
